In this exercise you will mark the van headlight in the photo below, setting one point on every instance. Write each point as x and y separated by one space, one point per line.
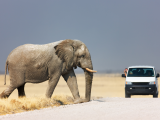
128 83
153 82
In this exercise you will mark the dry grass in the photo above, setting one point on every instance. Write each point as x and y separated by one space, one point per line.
104 85
11 106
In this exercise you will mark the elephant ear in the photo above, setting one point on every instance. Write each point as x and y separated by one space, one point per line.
65 51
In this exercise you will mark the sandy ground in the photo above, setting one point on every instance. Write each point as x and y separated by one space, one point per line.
101 109
104 85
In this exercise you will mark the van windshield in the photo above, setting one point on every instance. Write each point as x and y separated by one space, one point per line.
140 72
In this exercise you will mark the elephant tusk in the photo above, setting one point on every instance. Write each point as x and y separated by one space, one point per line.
90 70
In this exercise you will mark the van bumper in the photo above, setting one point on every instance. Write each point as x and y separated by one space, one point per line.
141 89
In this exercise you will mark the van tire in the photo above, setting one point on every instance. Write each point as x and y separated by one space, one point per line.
155 95
127 95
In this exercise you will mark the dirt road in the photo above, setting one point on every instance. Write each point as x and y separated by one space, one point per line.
101 109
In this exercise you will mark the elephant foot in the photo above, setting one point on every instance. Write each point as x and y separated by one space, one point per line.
79 100
86 100
22 96
3 95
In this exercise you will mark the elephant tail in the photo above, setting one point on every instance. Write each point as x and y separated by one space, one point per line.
5 72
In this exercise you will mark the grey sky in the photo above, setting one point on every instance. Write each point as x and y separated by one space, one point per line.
118 33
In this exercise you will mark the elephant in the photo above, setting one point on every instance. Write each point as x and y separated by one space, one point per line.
30 63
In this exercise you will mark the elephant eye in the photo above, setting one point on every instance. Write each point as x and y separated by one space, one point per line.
82 56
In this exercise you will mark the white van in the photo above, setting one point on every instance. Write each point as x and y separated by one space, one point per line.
141 80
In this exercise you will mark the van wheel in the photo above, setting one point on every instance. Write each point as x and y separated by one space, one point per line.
155 95
127 95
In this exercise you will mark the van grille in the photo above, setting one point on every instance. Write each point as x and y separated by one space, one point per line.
140 83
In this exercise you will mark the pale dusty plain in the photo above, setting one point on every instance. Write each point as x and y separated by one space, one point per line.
104 85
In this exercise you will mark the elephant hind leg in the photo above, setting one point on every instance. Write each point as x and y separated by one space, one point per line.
21 92
6 93
15 82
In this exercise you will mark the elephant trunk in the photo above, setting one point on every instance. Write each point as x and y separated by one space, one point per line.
88 79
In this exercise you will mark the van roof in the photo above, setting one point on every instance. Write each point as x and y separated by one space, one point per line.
141 66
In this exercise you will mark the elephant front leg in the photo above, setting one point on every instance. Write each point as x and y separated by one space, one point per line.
51 86
71 80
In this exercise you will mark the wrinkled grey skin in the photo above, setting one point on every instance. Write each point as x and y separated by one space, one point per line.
37 63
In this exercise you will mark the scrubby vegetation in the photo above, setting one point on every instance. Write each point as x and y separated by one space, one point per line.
11 106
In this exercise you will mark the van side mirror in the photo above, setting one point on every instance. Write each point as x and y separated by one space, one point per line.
157 75
123 75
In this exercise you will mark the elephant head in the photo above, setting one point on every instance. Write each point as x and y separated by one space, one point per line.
75 53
